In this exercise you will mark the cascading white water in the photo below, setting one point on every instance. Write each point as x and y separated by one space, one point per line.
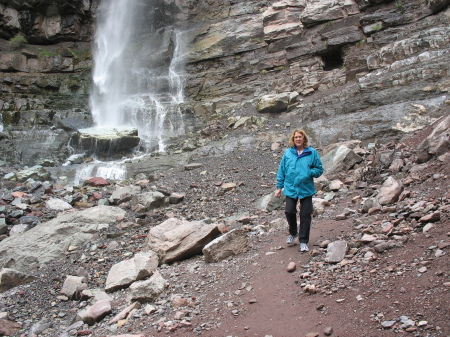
137 80
129 90
111 170
114 30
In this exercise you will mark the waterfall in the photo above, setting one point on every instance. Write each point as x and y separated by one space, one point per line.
137 75
113 35
114 171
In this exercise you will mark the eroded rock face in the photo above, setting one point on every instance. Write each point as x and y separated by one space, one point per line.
367 65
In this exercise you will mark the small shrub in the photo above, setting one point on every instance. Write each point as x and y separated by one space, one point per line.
17 41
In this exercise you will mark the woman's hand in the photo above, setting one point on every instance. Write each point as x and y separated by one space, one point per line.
277 193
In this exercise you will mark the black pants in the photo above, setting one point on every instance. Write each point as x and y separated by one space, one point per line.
306 208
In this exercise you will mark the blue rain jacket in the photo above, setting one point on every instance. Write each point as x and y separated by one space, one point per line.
296 172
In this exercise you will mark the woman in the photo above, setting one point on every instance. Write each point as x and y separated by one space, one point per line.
299 165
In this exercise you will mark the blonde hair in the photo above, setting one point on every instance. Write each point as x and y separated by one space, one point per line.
305 137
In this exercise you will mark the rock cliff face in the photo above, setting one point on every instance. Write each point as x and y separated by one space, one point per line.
342 69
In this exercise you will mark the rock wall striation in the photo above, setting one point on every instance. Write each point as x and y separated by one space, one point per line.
342 69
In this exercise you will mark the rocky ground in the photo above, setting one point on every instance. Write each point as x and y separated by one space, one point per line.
394 279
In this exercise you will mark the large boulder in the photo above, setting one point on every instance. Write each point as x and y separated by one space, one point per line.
273 103
176 239
104 141
51 239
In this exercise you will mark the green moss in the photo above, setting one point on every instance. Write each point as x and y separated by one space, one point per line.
45 53
399 6
257 39
377 27
82 55
18 41
361 43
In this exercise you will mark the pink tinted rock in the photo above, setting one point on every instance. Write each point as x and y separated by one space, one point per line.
98 181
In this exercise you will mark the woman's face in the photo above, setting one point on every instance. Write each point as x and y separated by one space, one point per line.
298 140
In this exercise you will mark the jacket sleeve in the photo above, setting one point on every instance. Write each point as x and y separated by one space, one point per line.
316 167
281 174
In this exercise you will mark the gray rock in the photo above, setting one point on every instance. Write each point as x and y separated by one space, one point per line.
18 229
370 203
10 278
234 242
319 206
269 202
176 239
389 191
438 142
3 226
381 247
176 198
73 286
148 290
340 158
274 103
317 12
387 324
126 272
36 172
58 204
151 200
192 166
336 251
118 194
50 240
104 141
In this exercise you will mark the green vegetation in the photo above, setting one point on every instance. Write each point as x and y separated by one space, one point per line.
257 40
82 55
18 41
377 26
45 53
399 6
361 43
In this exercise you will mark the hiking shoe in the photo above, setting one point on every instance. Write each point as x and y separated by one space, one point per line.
304 247
290 239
